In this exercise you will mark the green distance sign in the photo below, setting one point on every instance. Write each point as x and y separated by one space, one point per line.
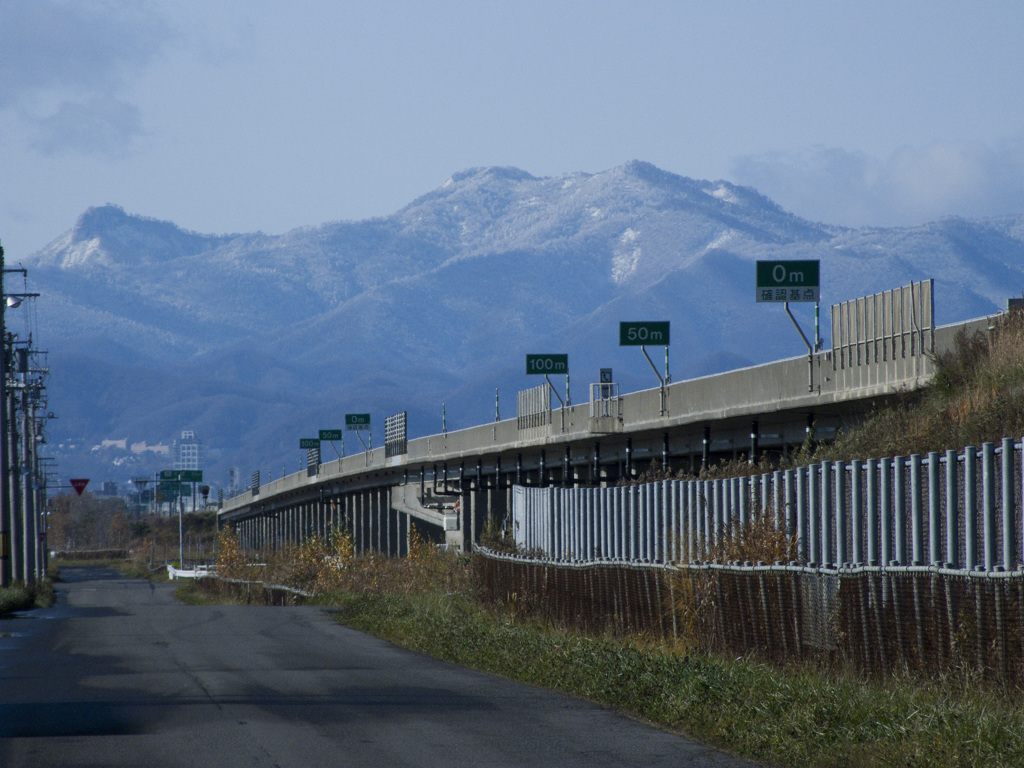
330 434
308 442
641 334
540 364
780 281
357 421
182 475
166 490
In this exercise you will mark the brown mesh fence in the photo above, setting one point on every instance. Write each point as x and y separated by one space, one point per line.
926 621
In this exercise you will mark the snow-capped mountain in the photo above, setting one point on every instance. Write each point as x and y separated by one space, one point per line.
255 340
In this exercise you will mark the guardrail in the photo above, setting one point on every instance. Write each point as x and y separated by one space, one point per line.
199 572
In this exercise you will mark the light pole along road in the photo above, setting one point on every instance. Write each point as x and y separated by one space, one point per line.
119 674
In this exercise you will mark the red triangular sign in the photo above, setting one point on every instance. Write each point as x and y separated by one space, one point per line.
79 483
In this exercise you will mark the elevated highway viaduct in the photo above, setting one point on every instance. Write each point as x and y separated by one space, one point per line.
454 485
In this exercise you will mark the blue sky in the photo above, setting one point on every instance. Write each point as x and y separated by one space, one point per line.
245 115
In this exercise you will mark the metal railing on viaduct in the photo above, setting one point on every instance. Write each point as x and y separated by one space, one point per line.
454 484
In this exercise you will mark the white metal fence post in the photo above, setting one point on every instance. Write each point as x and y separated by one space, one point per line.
1009 529
934 510
857 510
827 533
899 512
988 503
970 508
916 512
952 527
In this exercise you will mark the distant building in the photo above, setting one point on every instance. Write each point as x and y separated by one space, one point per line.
187 451
159 448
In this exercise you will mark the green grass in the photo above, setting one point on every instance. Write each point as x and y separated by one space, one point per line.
188 594
15 598
130 568
19 597
790 717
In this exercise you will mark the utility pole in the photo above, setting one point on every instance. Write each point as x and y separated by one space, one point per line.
5 504
19 509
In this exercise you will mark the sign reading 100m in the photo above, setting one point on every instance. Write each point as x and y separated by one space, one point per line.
547 364
641 334
787 281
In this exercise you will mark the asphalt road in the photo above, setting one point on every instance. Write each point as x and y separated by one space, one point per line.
119 674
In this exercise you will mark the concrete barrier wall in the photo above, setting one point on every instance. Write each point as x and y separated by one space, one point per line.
791 385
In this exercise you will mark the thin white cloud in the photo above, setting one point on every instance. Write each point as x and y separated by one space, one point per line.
61 60
103 126
912 186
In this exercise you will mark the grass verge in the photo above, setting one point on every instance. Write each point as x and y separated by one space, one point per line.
789 717
189 595
19 597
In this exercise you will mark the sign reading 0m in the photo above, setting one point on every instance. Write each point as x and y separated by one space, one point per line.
547 364
788 281
359 421
641 334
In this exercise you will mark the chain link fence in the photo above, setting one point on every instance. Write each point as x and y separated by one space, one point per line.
910 562
876 620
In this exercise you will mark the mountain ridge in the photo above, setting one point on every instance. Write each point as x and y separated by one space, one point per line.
440 300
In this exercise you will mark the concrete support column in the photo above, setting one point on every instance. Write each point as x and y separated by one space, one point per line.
385 514
366 533
375 521
474 511
705 459
353 513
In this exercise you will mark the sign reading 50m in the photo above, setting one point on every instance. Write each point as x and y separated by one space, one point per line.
788 281
643 334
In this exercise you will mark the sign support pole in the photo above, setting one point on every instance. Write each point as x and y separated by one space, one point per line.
640 334
561 402
817 329
810 349
558 396
661 380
